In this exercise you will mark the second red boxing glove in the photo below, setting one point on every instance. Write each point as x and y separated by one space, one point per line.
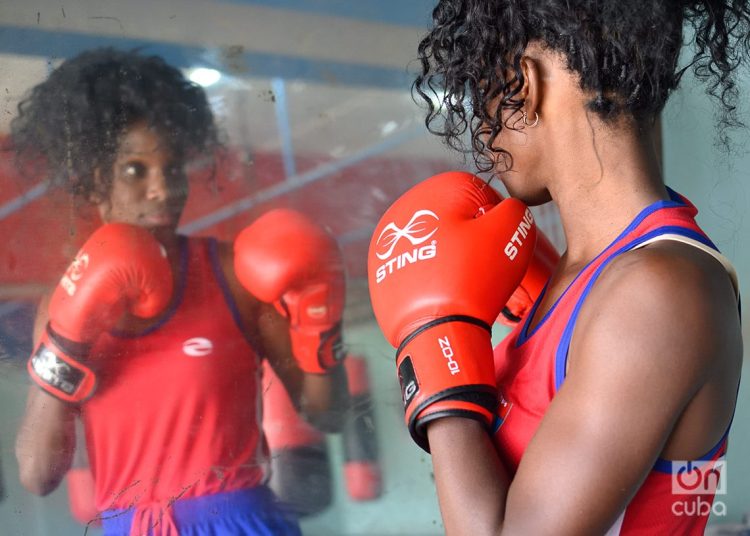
286 259
538 273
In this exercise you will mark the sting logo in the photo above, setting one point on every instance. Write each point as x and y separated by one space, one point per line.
517 240
419 229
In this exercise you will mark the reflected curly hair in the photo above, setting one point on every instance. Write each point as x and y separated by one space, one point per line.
74 120
625 52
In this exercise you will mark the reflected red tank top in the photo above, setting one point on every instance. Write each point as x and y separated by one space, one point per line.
177 409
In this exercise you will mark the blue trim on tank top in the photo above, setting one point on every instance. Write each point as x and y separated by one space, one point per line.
181 282
561 354
221 280
674 201
665 466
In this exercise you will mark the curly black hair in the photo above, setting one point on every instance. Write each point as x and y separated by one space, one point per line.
75 119
626 53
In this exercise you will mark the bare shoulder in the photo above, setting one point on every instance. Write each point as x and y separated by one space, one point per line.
669 301
673 277
260 320
247 305
225 252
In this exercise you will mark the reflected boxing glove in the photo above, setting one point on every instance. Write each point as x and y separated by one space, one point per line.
121 268
286 259
442 262
540 269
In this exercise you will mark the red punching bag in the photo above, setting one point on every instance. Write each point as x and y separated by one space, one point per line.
80 483
362 473
300 463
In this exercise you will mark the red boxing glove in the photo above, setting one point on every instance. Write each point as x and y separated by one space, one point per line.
362 473
120 268
542 265
442 262
286 259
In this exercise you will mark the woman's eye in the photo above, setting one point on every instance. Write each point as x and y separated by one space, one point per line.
134 170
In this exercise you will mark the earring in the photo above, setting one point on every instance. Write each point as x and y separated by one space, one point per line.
526 119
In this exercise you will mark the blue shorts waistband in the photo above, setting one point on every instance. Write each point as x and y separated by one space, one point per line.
259 501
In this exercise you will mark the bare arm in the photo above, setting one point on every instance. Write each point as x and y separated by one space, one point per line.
657 331
46 438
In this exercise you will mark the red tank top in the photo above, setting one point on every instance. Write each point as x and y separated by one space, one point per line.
530 367
177 410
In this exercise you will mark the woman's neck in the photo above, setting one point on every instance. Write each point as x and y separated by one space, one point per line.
171 242
604 186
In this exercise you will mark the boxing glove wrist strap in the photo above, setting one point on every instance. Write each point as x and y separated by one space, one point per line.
57 368
317 351
447 370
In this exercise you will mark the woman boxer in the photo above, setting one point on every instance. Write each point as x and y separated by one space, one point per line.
626 370
169 391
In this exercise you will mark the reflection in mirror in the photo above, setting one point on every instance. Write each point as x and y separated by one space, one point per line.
199 383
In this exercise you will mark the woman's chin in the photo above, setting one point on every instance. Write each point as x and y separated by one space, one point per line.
162 232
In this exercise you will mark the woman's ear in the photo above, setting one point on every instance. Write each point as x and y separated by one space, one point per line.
532 89
97 198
